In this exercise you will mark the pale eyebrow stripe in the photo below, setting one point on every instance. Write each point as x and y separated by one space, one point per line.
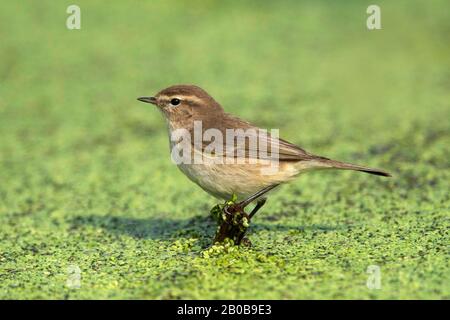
181 97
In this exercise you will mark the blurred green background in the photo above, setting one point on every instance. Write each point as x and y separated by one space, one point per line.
85 174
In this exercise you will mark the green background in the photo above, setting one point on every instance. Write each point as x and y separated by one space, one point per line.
85 174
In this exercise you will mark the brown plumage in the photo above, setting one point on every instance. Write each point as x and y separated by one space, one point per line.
184 104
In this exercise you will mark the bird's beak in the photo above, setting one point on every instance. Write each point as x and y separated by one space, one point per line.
151 100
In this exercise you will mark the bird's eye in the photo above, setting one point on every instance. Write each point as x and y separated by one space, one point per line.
175 101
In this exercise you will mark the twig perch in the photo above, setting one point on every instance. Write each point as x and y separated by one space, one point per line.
232 222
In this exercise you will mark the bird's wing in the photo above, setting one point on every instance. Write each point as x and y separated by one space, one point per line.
250 141
244 146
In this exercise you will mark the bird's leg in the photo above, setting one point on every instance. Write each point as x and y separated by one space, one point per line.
259 204
255 196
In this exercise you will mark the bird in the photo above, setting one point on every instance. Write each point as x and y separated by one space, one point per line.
188 109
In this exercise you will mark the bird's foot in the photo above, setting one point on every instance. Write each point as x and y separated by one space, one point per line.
232 219
233 222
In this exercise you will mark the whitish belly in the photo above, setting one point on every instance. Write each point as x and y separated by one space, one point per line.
224 180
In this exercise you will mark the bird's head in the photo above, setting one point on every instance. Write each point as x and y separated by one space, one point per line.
183 102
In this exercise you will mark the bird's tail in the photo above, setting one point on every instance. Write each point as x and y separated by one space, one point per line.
333 164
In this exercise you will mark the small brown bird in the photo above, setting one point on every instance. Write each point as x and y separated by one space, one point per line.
185 105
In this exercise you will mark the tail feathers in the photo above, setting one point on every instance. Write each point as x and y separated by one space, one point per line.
349 166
